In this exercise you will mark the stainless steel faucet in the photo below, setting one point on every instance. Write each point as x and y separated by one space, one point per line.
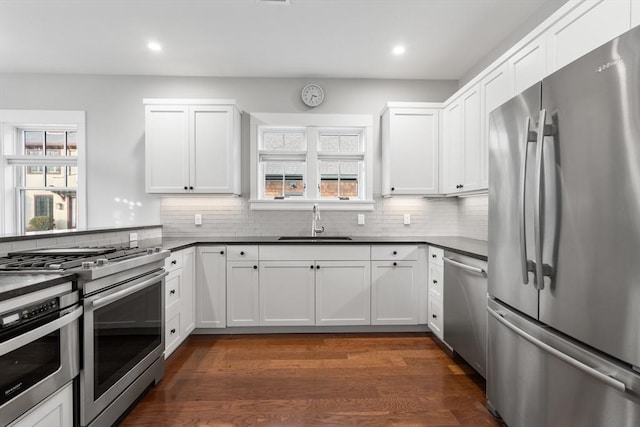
316 217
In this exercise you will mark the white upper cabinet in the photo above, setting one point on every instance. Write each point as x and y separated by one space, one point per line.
528 65
462 144
410 148
589 25
635 13
192 146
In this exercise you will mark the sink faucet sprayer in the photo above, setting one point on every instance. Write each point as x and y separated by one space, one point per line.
316 218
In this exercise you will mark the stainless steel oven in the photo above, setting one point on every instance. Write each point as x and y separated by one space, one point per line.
39 333
123 342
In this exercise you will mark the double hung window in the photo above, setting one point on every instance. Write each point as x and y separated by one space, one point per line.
299 160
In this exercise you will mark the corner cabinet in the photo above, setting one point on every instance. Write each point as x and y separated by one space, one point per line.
192 146
410 148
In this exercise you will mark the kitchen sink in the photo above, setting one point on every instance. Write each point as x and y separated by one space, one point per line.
317 238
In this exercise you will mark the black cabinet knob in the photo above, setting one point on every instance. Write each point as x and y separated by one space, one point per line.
317 267
241 252
395 252
255 267
393 188
174 262
221 252
311 267
173 331
433 256
172 291
186 188
435 281
190 188
395 263
434 316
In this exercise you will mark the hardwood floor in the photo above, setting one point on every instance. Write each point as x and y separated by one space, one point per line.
314 380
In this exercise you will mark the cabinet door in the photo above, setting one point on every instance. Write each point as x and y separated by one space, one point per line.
472 136
166 148
435 318
287 295
54 411
496 89
412 148
243 294
211 287
635 14
213 149
393 293
188 291
173 289
528 65
453 174
589 25
343 293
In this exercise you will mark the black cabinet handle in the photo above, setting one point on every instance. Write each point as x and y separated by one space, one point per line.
241 252
435 281
395 263
434 316
255 267
173 331
221 252
172 291
174 262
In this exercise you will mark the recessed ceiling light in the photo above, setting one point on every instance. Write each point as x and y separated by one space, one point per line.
398 50
155 47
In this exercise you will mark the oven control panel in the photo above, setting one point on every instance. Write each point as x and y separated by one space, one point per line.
26 313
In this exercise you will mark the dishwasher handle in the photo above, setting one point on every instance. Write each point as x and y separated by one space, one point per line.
465 267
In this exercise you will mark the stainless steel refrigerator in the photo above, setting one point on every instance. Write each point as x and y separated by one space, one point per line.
564 246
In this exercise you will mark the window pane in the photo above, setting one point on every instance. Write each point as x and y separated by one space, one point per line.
292 141
54 143
33 175
72 143
48 210
55 176
72 176
33 143
340 143
283 179
339 178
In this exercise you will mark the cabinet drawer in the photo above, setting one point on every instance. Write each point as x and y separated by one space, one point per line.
435 255
173 289
242 253
394 252
436 282
435 318
172 332
174 261
314 252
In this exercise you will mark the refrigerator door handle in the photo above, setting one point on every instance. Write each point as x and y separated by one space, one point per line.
541 268
463 266
610 381
526 264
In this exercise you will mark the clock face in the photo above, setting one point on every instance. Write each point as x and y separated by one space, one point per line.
312 95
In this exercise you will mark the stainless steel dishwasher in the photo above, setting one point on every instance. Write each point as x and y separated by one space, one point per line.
465 308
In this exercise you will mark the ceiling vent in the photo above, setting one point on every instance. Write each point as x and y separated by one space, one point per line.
279 2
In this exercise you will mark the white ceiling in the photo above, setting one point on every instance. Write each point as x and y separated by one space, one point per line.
444 39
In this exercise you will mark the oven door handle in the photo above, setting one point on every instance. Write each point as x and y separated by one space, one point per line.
128 291
35 334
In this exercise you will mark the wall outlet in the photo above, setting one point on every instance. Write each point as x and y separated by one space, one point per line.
407 219
360 219
133 237
198 219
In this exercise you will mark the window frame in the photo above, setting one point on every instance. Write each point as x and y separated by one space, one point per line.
314 126
12 123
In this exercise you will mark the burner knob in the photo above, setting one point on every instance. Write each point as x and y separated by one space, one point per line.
157 249
87 264
149 251
101 261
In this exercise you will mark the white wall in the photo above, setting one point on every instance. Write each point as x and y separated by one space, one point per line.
115 121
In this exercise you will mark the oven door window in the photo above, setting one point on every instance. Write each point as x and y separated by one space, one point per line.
125 332
26 366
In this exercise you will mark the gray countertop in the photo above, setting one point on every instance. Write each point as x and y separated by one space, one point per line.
463 245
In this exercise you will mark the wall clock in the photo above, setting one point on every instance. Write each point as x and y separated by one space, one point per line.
312 95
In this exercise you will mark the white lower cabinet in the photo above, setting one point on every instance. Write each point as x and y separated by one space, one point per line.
343 293
436 292
394 293
54 411
287 293
243 293
211 299
179 298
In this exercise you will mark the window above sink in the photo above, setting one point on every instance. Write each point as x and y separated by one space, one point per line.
298 160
